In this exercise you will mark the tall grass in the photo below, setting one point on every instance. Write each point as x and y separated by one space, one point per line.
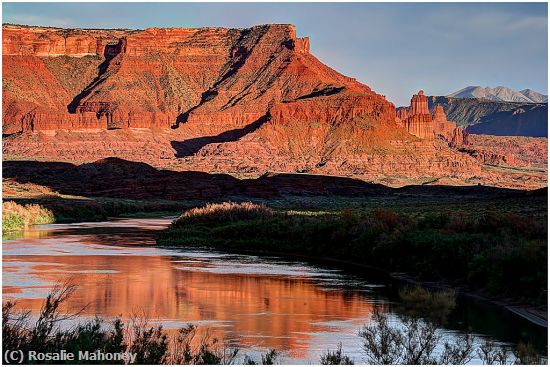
17 217
225 212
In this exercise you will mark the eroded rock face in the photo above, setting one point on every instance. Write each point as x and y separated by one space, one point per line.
240 101
419 104
456 135
160 77
52 42
510 151
418 121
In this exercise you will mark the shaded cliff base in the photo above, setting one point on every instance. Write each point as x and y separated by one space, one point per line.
113 187
115 177
514 162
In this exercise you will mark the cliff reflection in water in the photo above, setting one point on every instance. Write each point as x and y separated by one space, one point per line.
289 307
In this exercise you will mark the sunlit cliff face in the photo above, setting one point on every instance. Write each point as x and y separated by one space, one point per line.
239 101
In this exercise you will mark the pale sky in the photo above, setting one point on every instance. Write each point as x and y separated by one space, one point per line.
395 48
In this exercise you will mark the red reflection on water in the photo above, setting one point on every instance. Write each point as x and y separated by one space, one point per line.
286 310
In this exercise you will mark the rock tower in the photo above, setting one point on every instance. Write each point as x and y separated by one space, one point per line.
418 121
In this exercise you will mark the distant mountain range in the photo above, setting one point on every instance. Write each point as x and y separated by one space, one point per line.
500 94
490 117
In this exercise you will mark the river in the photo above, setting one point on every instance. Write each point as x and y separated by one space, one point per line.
257 303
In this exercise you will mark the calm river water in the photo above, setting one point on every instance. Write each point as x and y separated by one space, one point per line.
254 302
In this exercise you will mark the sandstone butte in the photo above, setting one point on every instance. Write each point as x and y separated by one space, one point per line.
418 121
241 101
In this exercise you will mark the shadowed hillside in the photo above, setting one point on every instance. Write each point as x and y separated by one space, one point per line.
496 117
113 177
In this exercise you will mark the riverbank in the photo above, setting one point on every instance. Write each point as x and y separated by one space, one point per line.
501 255
29 204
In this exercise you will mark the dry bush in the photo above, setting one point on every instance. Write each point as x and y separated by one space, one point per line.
389 221
187 347
388 217
336 357
420 302
150 344
459 222
225 212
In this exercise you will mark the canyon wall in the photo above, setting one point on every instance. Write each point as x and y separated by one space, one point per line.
159 78
242 101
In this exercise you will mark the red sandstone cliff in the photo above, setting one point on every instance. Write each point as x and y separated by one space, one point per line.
73 79
232 100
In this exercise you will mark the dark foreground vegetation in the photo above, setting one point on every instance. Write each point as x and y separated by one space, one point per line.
419 339
497 253
150 344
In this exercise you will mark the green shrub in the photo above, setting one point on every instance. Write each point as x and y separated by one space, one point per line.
17 217
12 222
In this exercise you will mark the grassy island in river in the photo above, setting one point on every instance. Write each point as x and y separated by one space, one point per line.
495 253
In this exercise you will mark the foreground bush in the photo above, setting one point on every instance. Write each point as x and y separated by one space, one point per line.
17 217
336 357
497 253
419 342
151 345
414 340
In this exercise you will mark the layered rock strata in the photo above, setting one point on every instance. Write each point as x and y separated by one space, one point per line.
242 101
164 77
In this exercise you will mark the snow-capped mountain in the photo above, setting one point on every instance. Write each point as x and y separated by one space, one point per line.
534 96
502 94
